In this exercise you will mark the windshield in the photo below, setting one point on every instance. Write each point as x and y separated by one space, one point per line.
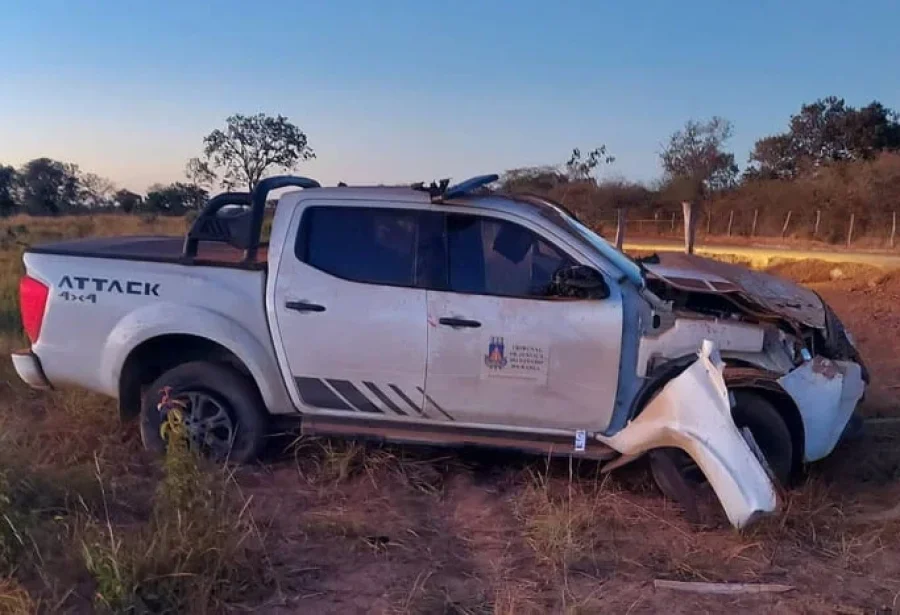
557 215
621 260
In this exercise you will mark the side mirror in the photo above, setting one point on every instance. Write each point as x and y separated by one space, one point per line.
580 281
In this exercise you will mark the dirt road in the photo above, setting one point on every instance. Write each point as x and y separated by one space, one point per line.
763 256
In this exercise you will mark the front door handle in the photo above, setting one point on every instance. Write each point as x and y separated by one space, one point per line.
460 322
304 306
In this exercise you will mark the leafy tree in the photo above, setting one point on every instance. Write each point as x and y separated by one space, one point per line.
95 192
199 173
543 179
825 131
49 186
619 193
174 199
695 162
539 180
581 168
774 157
8 180
248 148
127 201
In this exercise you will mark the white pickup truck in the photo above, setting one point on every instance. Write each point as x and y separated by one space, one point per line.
446 315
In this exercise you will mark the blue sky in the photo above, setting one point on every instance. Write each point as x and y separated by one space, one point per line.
392 91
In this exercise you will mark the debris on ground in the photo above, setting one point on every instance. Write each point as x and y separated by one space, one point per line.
700 587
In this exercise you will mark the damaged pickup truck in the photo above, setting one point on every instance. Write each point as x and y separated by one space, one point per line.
446 315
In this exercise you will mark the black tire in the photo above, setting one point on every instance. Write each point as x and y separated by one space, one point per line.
755 412
218 391
673 469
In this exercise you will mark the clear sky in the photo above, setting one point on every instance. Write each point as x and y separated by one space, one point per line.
402 91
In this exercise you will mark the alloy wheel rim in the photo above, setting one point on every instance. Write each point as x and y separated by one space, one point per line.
209 428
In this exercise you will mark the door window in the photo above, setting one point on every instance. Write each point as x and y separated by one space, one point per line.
496 257
372 245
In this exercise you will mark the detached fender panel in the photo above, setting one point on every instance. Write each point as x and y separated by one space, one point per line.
693 412
826 393
167 318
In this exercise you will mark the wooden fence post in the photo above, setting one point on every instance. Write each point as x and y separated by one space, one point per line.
893 227
708 221
673 222
620 228
850 230
787 221
690 226
818 219
730 221
755 218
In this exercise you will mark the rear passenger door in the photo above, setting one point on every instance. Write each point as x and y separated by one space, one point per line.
350 310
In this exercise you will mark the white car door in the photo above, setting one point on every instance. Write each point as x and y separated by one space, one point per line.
350 318
503 352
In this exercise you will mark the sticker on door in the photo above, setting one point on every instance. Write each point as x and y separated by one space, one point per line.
515 357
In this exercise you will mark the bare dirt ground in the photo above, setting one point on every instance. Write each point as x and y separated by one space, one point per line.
337 527
354 529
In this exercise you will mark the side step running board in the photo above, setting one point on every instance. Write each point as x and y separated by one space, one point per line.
450 436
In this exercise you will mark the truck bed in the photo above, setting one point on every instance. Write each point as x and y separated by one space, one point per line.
152 248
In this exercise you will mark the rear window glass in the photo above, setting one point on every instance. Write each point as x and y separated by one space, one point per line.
376 246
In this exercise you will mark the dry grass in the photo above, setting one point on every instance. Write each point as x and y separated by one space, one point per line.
195 553
89 522
25 230
82 526
14 599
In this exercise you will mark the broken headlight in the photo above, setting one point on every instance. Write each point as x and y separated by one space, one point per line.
839 344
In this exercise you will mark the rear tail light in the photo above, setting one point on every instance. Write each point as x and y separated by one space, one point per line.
32 303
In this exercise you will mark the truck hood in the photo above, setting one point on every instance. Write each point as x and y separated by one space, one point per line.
691 273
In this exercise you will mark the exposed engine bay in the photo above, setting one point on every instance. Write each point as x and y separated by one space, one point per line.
695 288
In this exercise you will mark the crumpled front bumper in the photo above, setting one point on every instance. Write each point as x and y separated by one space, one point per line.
693 412
826 393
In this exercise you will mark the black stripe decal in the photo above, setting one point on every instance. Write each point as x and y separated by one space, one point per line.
349 392
432 402
403 396
316 393
384 398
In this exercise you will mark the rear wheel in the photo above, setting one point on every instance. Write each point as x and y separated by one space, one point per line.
676 474
215 407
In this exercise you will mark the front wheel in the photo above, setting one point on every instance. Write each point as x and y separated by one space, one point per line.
219 412
676 474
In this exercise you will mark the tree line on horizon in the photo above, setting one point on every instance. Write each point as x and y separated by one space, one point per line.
234 158
832 157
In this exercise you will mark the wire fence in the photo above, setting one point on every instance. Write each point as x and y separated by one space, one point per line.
868 230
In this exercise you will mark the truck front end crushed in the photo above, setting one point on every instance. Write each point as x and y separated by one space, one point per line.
692 412
786 332
754 331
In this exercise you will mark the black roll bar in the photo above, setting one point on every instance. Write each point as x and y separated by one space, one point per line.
242 230
257 213
207 227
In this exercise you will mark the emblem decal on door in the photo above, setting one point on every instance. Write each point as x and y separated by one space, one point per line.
494 358
516 357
